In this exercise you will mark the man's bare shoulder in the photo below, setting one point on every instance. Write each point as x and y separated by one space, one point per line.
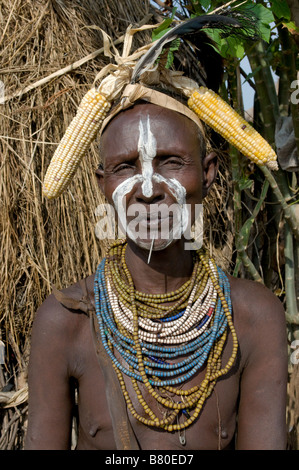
60 313
255 302
259 319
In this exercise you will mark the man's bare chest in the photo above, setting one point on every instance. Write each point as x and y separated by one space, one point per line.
214 428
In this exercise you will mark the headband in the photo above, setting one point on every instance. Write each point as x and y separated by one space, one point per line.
132 78
135 92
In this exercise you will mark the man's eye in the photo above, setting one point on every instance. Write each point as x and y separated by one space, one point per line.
124 167
174 161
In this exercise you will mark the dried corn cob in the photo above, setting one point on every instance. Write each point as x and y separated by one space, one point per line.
75 142
219 115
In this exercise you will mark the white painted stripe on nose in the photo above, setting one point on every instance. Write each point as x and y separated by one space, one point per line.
147 148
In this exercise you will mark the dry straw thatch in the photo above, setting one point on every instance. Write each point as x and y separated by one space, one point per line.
49 242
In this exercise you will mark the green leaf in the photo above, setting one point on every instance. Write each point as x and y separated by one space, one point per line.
198 6
252 74
169 61
205 4
290 25
158 35
264 15
245 183
265 32
232 47
164 27
265 18
175 44
170 56
228 47
214 34
281 9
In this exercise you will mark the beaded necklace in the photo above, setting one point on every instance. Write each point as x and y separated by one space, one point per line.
163 340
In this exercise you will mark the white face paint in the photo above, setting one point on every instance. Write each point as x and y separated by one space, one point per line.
179 193
118 198
147 149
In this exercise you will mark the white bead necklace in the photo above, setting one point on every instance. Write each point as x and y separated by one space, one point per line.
177 331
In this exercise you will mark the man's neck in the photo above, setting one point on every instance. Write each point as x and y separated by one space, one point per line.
167 270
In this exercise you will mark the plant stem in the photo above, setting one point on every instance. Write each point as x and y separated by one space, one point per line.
243 237
283 71
288 76
270 111
264 86
290 287
233 72
248 264
289 214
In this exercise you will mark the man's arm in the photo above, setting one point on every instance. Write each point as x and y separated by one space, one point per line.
50 397
262 409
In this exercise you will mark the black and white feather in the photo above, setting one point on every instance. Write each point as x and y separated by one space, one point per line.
232 23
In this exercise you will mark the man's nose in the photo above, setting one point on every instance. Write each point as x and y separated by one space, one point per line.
151 195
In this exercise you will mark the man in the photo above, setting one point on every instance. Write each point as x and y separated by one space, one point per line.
164 349
63 353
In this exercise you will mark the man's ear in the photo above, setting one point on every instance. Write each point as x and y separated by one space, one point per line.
100 177
210 168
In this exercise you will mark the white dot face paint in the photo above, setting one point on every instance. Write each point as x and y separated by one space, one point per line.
147 150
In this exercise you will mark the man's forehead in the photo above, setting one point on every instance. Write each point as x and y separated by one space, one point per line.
166 125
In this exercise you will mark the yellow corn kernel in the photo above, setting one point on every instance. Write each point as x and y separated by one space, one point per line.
228 123
75 142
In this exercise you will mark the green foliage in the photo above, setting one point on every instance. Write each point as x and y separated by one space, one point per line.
201 6
231 46
170 56
163 29
265 18
245 183
157 33
281 9
235 47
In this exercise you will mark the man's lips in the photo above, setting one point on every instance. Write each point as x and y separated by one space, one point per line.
148 220
146 225
157 217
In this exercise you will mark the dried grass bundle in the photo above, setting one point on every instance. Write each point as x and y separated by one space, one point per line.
44 242
52 242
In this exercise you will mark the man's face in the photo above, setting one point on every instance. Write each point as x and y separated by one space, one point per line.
153 173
